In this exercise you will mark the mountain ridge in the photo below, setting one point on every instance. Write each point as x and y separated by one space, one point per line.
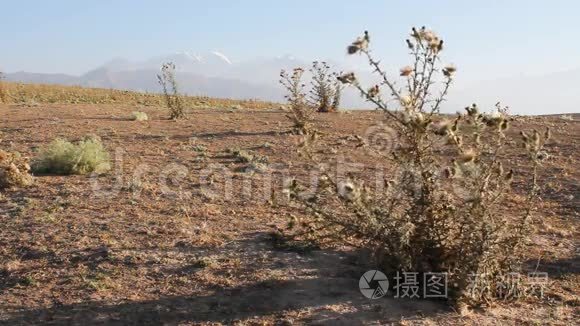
214 74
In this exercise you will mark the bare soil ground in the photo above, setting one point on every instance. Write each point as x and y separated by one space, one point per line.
191 255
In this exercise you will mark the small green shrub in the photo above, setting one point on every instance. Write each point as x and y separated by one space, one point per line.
14 170
64 157
139 116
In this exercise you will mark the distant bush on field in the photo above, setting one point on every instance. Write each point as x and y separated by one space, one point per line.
139 116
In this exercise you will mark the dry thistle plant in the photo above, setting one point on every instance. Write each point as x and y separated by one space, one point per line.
300 110
326 88
443 208
172 97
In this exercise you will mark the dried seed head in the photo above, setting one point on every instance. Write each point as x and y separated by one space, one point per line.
536 139
360 44
493 120
449 172
373 91
504 125
427 35
472 110
449 70
436 45
468 156
347 78
352 49
406 100
455 124
543 155
415 34
347 190
509 177
410 44
418 118
406 71
547 134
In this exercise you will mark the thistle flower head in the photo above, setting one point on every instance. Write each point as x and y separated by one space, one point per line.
406 100
449 70
415 34
347 190
472 110
427 35
434 45
360 44
406 71
374 91
347 78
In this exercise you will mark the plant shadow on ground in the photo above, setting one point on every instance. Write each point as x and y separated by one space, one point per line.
557 268
321 287
241 134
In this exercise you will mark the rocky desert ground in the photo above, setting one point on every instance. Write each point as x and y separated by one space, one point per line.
183 231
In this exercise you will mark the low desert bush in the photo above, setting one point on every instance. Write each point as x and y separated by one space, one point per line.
14 170
139 116
443 207
64 157
323 96
172 97
252 161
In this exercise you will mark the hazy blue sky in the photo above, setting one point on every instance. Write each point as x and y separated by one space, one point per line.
484 38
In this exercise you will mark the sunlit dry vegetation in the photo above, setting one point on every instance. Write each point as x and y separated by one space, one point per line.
18 93
442 208
125 207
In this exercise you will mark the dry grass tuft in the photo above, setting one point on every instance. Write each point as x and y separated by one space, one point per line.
64 157
139 116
